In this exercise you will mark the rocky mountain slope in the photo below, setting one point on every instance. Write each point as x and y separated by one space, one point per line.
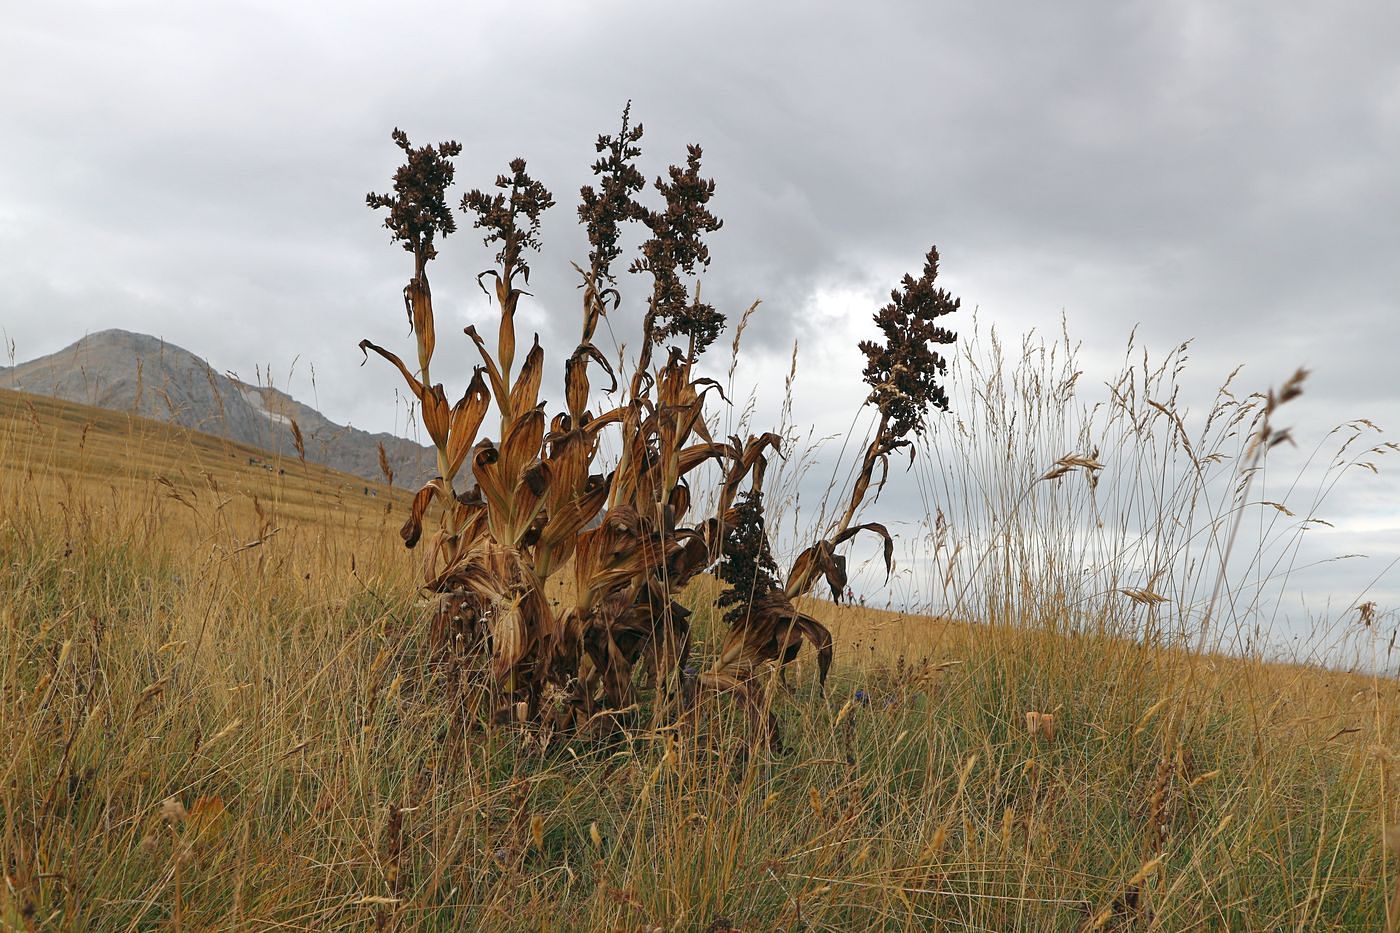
122 371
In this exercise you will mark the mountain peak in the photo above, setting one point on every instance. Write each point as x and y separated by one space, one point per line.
126 371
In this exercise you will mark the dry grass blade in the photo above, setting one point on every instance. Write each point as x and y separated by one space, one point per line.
385 470
298 441
1144 596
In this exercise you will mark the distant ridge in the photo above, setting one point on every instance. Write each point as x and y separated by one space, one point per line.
144 375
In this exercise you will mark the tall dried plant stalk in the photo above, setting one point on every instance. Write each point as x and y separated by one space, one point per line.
537 499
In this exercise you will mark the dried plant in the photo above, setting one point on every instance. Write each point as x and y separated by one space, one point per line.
764 626
903 372
538 500
677 246
604 210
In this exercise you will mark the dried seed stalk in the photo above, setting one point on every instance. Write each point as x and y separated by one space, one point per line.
536 499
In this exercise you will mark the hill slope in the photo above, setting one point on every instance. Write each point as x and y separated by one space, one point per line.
66 456
219 711
143 375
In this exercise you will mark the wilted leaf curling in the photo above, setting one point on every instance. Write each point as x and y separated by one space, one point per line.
501 215
677 245
418 207
903 371
604 210
748 567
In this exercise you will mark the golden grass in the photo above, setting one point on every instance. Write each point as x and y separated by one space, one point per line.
52 445
201 731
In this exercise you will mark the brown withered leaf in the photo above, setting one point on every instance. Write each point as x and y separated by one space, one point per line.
821 559
467 416
490 479
680 501
413 528
524 395
522 445
817 560
692 552
498 386
754 459
413 383
773 631
207 817
622 548
612 416
745 460
418 301
818 636
509 639
873 528
436 414
529 503
696 454
432 399
513 488
559 536
506 300
576 385
573 498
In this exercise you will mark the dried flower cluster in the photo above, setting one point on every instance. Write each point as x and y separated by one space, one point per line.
613 203
417 210
748 568
521 198
903 371
677 246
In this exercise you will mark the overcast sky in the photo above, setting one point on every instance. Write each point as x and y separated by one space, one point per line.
1222 172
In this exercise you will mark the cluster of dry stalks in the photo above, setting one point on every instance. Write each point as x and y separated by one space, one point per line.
515 511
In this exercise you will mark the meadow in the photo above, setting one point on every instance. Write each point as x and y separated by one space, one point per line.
600 691
219 712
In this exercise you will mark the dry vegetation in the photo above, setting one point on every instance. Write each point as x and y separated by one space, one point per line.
217 712
203 730
636 532
227 699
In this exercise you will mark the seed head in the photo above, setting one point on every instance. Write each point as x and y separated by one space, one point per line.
418 207
511 217
903 371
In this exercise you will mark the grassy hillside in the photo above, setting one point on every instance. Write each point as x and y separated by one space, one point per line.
215 712
49 444
148 377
